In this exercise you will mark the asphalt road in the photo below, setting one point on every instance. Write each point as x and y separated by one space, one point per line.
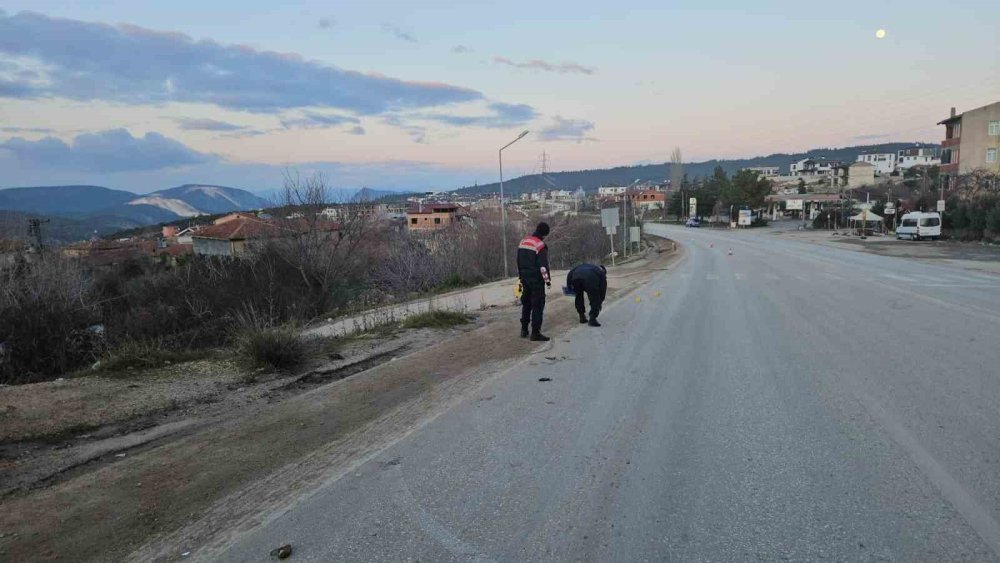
788 401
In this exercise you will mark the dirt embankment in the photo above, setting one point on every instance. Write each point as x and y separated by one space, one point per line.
226 464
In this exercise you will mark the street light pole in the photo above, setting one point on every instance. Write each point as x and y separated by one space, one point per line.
503 205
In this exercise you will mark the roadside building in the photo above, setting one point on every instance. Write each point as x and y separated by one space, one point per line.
765 171
109 252
918 156
611 191
818 166
432 216
231 237
233 216
648 199
884 163
971 142
860 174
807 205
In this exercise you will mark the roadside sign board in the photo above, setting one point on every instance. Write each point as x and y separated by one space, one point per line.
634 234
745 217
794 204
940 206
693 207
609 219
890 211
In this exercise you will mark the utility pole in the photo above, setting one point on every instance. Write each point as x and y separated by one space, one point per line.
35 232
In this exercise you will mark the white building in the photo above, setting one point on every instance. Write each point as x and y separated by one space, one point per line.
884 162
814 167
330 213
561 194
765 171
918 157
611 190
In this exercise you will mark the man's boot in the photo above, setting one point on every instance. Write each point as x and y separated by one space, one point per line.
583 318
537 336
524 330
593 322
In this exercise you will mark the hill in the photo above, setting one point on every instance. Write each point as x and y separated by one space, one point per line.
67 201
590 180
103 210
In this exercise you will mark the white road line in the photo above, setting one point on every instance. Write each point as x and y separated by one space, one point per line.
740 276
711 277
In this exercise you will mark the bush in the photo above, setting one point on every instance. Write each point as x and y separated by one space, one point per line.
273 348
144 354
47 320
436 319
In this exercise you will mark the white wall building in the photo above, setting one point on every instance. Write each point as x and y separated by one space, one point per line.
611 190
765 171
918 157
884 162
814 167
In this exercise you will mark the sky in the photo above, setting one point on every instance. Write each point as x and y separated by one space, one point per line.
421 95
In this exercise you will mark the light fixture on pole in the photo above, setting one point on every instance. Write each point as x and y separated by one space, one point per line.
503 206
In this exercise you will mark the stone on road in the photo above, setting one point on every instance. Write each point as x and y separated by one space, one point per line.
787 401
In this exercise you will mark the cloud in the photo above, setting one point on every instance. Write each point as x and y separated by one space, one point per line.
567 130
127 64
417 133
115 150
26 130
326 23
356 130
536 64
460 49
870 137
311 120
196 124
398 33
504 115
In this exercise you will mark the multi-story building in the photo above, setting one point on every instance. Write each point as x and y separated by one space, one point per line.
765 171
971 142
432 216
818 166
884 162
648 199
610 191
917 156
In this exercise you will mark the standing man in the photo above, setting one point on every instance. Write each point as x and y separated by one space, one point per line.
592 280
533 269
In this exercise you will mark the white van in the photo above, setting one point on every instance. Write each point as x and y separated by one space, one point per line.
917 225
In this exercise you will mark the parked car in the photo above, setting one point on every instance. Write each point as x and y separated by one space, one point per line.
919 225
693 222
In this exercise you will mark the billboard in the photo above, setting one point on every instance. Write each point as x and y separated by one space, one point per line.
693 206
609 219
745 217
794 204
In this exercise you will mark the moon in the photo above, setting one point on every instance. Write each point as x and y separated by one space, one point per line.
880 34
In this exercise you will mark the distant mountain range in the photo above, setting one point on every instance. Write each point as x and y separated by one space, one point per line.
95 209
590 180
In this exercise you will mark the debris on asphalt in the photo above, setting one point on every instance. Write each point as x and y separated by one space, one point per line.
544 379
283 552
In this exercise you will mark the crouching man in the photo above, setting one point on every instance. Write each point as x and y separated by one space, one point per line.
592 280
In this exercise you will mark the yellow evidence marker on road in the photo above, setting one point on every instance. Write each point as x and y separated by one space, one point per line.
656 294
638 299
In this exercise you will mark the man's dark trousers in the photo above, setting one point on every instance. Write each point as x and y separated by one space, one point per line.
532 303
595 300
